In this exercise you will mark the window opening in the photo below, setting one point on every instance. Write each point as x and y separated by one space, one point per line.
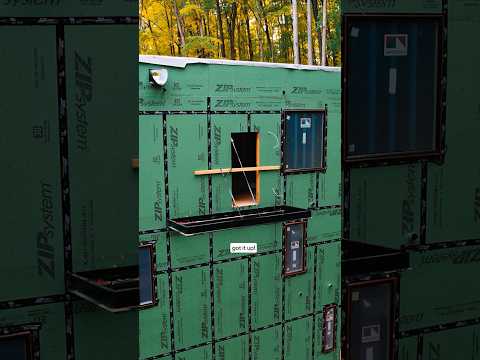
304 147
17 346
245 184
294 248
146 276
392 98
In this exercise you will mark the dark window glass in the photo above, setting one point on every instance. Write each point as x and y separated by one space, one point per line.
392 86
14 347
145 274
294 248
371 322
304 140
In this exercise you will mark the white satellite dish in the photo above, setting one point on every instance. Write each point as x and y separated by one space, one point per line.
158 77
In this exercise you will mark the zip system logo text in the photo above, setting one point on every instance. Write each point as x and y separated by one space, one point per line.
45 237
83 95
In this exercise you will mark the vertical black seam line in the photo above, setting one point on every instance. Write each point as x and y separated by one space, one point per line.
397 317
168 240
346 203
420 347
325 138
282 157
63 139
170 297
423 202
249 122
283 297
249 278
65 185
444 76
314 299
165 165
317 179
343 316
282 142
69 330
210 235
209 145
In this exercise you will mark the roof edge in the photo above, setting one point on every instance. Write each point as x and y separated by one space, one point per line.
182 62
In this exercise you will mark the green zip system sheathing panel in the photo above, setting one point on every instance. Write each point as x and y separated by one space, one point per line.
392 6
70 135
201 353
236 348
408 348
98 111
191 303
152 182
373 190
298 339
231 296
454 188
223 305
461 343
266 290
68 8
154 324
432 207
96 329
32 248
267 344
440 288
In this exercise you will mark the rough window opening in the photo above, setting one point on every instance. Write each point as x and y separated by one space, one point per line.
146 276
245 184
17 346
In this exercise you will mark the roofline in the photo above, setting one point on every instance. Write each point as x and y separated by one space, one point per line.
182 62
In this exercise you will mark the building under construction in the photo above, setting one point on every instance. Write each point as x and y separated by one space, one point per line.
233 210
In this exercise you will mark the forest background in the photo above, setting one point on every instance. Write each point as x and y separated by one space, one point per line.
255 30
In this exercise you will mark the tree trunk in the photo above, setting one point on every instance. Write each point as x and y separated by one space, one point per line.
220 28
249 36
324 33
296 57
151 30
309 33
318 25
267 28
170 32
181 32
260 40
231 29
239 39
205 26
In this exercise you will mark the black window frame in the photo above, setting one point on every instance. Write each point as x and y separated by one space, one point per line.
30 332
153 264
325 311
437 154
283 126
350 287
285 247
